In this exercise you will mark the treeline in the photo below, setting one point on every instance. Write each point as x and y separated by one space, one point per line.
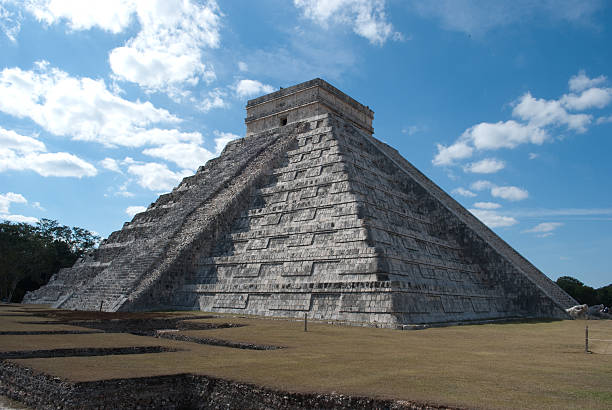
586 294
31 254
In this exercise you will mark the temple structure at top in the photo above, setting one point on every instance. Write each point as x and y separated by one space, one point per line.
308 99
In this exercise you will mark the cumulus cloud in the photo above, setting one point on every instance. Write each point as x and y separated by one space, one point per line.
214 99
10 21
485 166
503 134
493 219
580 81
190 156
111 164
84 109
449 155
487 205
19 218
186 156
222 139
591 98
481 185
533 155
535 119
540 112
12 198
510 193
11 140
156 177
166 53
242 66
110 15
133 210
463 192
544 227
249 88
367 18
603 120
24 153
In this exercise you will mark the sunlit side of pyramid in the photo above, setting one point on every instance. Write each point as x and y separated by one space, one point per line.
309 214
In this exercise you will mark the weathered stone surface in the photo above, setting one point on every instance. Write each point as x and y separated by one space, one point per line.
310 214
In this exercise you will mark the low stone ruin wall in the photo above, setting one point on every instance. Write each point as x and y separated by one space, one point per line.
183 391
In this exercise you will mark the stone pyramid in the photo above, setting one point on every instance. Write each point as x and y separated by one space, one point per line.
309 213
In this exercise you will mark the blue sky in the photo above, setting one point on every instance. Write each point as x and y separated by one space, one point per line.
506 105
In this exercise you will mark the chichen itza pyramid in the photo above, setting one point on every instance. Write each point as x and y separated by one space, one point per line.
309 213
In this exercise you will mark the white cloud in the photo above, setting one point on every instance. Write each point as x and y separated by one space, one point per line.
248 88
223 138
367 18
242 66
123 191
109 15
493 219
9 139
133 210
56 164
12 198
541 113
544 227
186 156
111 164
533 155
537 116
481 185
165 54
19 218
214 99
191 156
84 109
448 155
10 21
487 205
23 153
510 193
157 177
591 98
603 120
581 82
485 166
508 134
411 129
463 192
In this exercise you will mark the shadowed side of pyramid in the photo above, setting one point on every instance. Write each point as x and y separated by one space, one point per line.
310 214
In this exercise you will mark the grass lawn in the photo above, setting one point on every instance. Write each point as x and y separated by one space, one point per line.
514 365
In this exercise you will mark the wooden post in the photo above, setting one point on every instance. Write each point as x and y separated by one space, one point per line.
586 339
305 322
101 302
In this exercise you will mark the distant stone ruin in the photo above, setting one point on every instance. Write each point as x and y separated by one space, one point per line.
309 213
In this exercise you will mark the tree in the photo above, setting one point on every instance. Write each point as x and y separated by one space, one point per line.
30 255
586 294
